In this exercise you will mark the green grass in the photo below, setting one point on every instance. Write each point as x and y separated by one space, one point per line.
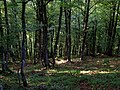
103 81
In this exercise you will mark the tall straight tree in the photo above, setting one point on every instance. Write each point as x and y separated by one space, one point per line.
94 37
23 44
86 16
115 25
45 37
1 44
8 39
68 31
111 27
42 16
39 32
57 35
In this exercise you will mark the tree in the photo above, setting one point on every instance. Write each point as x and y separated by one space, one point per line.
23 44
1 45
43 38
85 27
68 31
57 35
7 39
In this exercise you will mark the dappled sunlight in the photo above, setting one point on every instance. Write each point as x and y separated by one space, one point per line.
104 72
64 71
51 71
89 72
37 70
61 61
112 66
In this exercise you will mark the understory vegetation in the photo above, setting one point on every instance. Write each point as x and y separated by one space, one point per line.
93 74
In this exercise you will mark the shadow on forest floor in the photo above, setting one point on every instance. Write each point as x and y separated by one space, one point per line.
92 74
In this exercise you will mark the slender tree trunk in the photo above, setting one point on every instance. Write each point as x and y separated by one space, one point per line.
1 44
69 35
78 43
118 50
85 28
8 39
51 44
60 50
94 38
23 45
110 31
57 35
114 29
35 47
68 32
30 49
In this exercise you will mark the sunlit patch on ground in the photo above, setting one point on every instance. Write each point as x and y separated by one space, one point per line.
61 61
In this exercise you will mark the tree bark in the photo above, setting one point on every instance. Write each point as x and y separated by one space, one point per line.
114 28
23 45
118 50
68 32
35 48
85 28
43 37
1 45
57 35
8 39
94 38
110 29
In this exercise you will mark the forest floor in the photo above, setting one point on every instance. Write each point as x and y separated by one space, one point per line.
92 74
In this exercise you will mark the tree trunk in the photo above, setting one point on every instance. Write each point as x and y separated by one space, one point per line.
85 28
1 45
94 38
57 35
8 39
45 37
30 49
114 28
40 32
68 32
35 47
110 31
23 44
69 35
51 43
118 50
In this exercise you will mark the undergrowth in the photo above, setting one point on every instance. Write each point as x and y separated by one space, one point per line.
95 76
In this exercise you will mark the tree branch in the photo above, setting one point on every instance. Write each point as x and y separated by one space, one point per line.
27 1
93 5
48 2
